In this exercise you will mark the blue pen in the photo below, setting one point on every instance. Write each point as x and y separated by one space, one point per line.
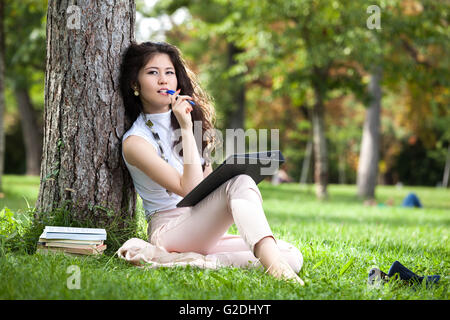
172 92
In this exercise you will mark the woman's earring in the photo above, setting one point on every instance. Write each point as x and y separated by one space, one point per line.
136 93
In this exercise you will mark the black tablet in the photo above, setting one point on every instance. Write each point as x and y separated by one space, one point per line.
257 165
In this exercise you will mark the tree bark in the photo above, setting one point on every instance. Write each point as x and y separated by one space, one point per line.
32 136
369 153
320 144
84 118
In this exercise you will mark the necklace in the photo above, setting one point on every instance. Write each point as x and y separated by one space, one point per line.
149 124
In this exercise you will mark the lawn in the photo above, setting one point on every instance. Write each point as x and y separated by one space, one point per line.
340 239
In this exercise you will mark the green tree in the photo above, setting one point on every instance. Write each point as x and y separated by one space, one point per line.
411 33
307 49
301 55
25 60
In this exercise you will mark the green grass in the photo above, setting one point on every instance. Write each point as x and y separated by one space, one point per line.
340 240
19 192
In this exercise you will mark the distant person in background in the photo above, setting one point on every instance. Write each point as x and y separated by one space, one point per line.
281 176
410 201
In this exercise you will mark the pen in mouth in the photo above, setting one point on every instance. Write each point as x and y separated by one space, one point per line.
172 92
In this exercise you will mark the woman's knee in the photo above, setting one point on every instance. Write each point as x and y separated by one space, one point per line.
240 183
244 178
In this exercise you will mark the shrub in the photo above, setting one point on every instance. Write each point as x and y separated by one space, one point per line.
22 234
13 230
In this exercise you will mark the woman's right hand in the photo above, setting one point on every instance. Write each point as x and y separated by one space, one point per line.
182 109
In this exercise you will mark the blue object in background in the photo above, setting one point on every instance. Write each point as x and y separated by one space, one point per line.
411 200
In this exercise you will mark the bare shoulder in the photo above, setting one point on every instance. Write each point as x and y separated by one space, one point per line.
143 155
133 145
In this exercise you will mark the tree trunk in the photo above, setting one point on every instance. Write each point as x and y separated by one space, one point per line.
306 163
2 91
32 136
446 169
237 117
341 165
84 117
369 153
320 144
320 152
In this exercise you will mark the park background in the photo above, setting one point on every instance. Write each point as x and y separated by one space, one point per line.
315 70
262 75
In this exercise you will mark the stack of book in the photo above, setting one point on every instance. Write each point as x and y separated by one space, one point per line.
87 241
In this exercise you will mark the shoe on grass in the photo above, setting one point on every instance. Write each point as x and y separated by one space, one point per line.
377 277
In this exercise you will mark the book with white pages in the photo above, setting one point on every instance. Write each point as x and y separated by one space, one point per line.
68 241
74 230
71 233
73 236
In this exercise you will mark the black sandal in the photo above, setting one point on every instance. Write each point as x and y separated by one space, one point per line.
397 270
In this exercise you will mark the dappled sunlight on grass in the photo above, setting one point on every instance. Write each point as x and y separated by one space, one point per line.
340 240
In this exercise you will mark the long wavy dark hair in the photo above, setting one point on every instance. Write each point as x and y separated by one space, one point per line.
136 57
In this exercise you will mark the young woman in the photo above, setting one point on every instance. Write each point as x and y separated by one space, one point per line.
162 176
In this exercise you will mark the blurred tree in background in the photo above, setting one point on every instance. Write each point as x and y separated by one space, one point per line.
303 67
306 67
25 68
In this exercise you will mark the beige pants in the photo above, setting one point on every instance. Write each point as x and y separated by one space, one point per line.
203 227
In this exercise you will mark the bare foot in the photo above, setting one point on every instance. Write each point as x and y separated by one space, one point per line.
282 270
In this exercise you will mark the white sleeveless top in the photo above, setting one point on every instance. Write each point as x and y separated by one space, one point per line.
155 197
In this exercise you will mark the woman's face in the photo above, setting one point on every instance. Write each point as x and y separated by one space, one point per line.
157 74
